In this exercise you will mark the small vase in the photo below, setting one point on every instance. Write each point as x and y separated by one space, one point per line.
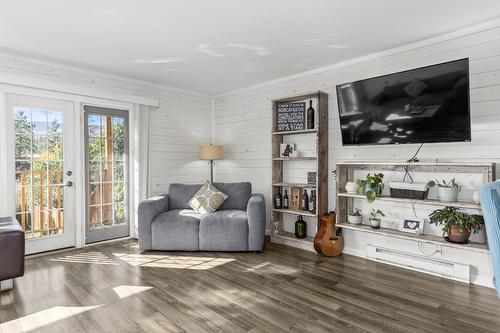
448 193
375 223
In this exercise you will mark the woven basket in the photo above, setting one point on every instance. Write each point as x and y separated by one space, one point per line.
409 194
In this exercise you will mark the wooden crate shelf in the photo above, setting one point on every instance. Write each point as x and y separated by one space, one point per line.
345 201
431 202
437 240
318 163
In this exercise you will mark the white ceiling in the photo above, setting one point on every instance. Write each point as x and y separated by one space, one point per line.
214 46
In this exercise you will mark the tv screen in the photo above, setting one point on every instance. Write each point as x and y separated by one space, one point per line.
422 105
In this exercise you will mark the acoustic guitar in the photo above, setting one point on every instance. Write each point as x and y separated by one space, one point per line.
332 242
321 232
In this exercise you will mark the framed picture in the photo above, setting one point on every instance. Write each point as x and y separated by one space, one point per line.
414 225
296 201
311 178
287 149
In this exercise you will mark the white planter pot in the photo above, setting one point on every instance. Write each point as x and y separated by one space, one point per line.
375 223
351 187
354 219
448 194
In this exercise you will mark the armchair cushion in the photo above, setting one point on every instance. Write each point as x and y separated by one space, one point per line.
176 230
224 230
180 194
238 195
147 211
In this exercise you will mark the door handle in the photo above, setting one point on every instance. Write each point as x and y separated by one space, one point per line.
68 184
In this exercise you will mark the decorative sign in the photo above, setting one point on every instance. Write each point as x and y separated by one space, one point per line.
414 225
311 178
291 117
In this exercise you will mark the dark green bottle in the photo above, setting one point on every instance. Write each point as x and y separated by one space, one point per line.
300 227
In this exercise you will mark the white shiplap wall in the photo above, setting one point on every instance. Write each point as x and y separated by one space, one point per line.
178 126
243 120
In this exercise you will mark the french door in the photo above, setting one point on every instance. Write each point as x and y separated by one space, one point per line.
106 161
42 137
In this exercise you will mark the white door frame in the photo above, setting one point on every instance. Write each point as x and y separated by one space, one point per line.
137 164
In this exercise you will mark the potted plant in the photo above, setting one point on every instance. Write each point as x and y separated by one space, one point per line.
456 224
375 219
447 191
355 217
371 187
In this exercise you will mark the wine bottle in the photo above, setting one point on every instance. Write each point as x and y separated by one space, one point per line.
285 200
310 116
312 202
277 200
305 201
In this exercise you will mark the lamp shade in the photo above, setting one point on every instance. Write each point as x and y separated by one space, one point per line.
211 152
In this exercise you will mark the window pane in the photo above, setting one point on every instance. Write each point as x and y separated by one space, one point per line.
118 192
107 215
23 173
95 217
55 148
22 121
94 194
94 149
55 171
119 212
40 173
118 171
118 138
94 126
55 122
94 171
107 193
40 147
40 195
39 118
56 197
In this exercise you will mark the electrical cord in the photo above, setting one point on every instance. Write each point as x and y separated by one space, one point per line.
413 159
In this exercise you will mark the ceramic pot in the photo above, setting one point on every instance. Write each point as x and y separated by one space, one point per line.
475 197
457 236
448 194
355 219
351 187
375 223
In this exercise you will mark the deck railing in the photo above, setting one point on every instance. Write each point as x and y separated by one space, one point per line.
35 218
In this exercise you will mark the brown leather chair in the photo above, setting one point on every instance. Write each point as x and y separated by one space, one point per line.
11 249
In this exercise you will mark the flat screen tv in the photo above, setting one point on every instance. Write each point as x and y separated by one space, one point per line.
422 105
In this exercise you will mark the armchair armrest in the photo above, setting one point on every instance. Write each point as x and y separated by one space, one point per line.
256 215
147 211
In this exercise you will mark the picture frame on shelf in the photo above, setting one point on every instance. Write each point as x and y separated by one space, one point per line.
311 178
412 225
287 150
296 198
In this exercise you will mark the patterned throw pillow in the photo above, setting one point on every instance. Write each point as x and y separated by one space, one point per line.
208 199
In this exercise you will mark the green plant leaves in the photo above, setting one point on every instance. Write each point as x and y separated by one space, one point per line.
451 217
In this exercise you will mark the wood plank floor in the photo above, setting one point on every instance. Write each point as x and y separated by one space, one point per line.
114 288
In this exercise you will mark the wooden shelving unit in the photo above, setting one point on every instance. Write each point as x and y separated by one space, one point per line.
345 201
319 164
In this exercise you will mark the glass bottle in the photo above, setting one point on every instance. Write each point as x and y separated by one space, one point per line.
277 200
305 201
300 227
285 200
310 116
312 202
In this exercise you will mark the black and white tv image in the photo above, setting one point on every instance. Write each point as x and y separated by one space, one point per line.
423 105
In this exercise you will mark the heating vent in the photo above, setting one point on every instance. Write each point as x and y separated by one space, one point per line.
450 270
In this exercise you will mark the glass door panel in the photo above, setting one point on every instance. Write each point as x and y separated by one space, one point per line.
106 165
40 153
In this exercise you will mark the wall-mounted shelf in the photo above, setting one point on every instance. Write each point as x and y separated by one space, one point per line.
295 212
304 158
437 240
431 202
295 185
306 131
345 201
318 164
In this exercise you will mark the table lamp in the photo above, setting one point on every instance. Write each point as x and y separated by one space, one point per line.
211 153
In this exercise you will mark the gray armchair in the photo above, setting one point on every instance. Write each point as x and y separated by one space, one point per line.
168 223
